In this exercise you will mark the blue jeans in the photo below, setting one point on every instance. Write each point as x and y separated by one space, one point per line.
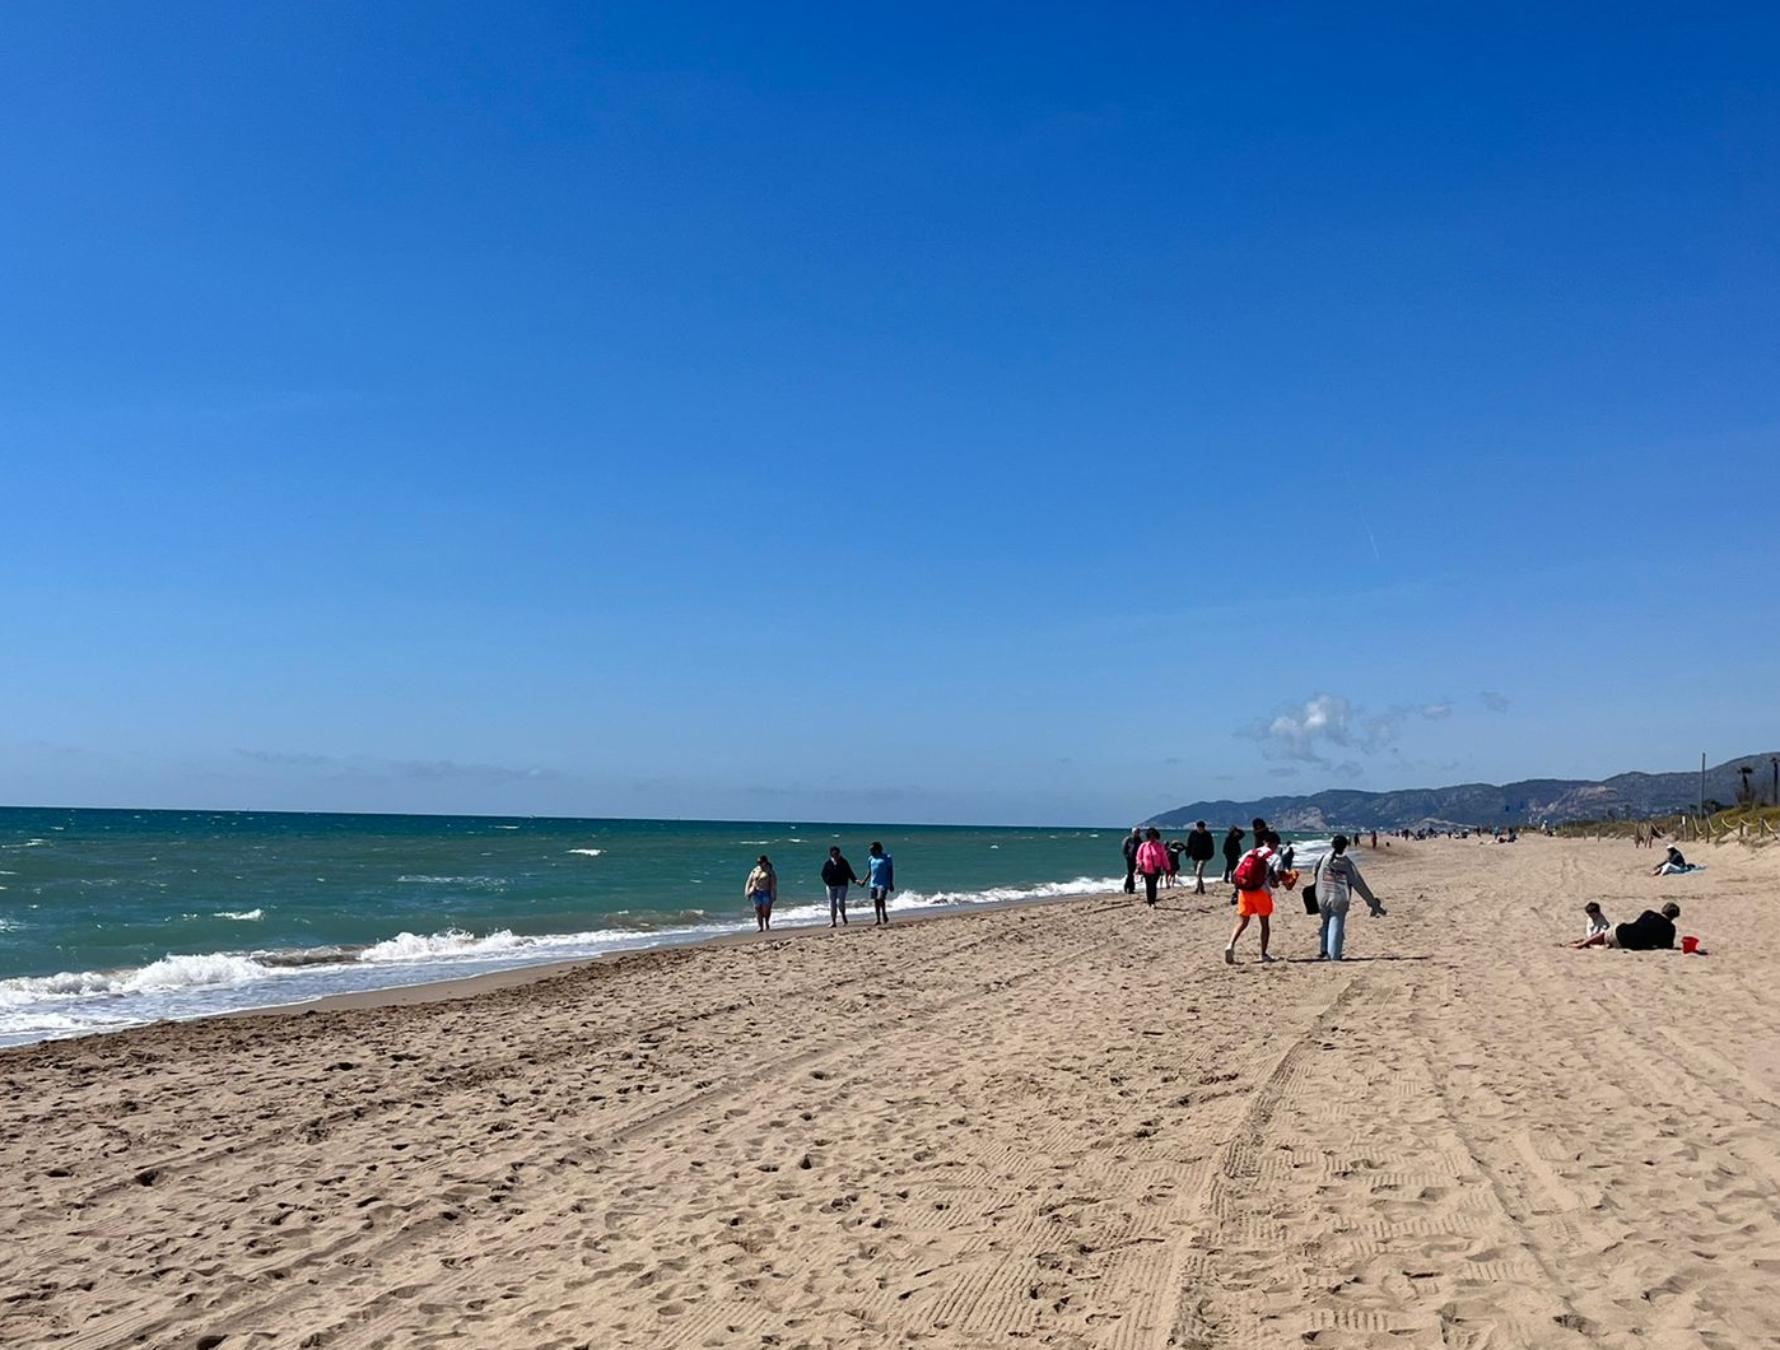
1334 934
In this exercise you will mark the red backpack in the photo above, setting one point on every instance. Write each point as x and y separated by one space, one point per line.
1251 872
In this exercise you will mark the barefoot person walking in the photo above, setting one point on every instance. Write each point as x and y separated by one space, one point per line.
762 890
1254 878
880 876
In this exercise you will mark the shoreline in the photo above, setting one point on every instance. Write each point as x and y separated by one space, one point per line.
896 1141
465 987
438 978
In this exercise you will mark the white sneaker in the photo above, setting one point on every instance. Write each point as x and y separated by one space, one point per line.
1266 959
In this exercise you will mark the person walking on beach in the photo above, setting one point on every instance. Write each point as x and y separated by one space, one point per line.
1254 879
1133 842
1175 850
1152 862
1337 877
1258 833
762 890
1232 851
1201 849
880 876
837 875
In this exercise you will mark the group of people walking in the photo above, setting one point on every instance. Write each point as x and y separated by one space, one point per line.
1159 864
1254 874
762 888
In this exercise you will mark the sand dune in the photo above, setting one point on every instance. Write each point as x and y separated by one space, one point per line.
1067 1125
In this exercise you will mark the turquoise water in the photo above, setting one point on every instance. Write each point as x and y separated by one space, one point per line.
111 918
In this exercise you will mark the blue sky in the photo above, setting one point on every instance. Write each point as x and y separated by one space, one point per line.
1017 413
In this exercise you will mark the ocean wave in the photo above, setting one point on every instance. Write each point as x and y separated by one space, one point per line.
588 852
431 946
240 915
479 883
164 976
993 895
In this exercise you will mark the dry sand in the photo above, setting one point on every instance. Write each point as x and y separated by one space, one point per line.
1061 1126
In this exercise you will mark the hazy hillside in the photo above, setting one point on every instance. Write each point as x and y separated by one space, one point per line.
1526 802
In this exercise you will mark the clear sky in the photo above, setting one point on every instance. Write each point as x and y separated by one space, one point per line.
1028 413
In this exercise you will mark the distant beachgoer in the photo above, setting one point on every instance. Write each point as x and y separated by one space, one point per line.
837 875
1152 862
1673 864
1133 842
1648 932
1254 879
1337 876
1201 849
1598 925
880 876
1175 850
762 890
1232 851
1375 839
1285 858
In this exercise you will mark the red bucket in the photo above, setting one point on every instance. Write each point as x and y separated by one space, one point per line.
1690 944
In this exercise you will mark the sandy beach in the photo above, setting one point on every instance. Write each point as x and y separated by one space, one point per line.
1059 1125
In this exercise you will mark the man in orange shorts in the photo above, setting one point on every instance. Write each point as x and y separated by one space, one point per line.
1255 877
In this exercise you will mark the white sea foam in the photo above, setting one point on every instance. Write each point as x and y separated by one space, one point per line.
184 986
240 915
167 974
431 946
993 895
588 852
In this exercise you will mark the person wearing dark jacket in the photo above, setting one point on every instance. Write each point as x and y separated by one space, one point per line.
1133 842
837 875
1648 932
1201 849
1232 851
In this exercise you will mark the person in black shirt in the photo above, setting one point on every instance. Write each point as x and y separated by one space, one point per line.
1673 864
837 875
1133 842
1232 851
1175 849
1648 932
1201 849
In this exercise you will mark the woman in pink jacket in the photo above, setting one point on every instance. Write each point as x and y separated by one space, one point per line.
1152 862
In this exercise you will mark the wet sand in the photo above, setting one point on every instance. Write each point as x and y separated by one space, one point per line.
1063 1125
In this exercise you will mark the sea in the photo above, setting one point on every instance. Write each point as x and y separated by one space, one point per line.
114 918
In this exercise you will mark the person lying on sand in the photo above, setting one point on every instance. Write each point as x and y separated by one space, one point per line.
1649 932
1597 925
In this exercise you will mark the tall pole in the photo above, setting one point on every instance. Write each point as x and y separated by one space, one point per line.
1702 785
1775 799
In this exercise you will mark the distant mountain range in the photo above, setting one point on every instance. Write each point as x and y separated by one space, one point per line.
1524 803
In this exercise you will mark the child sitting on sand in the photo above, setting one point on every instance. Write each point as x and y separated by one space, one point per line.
1597 925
